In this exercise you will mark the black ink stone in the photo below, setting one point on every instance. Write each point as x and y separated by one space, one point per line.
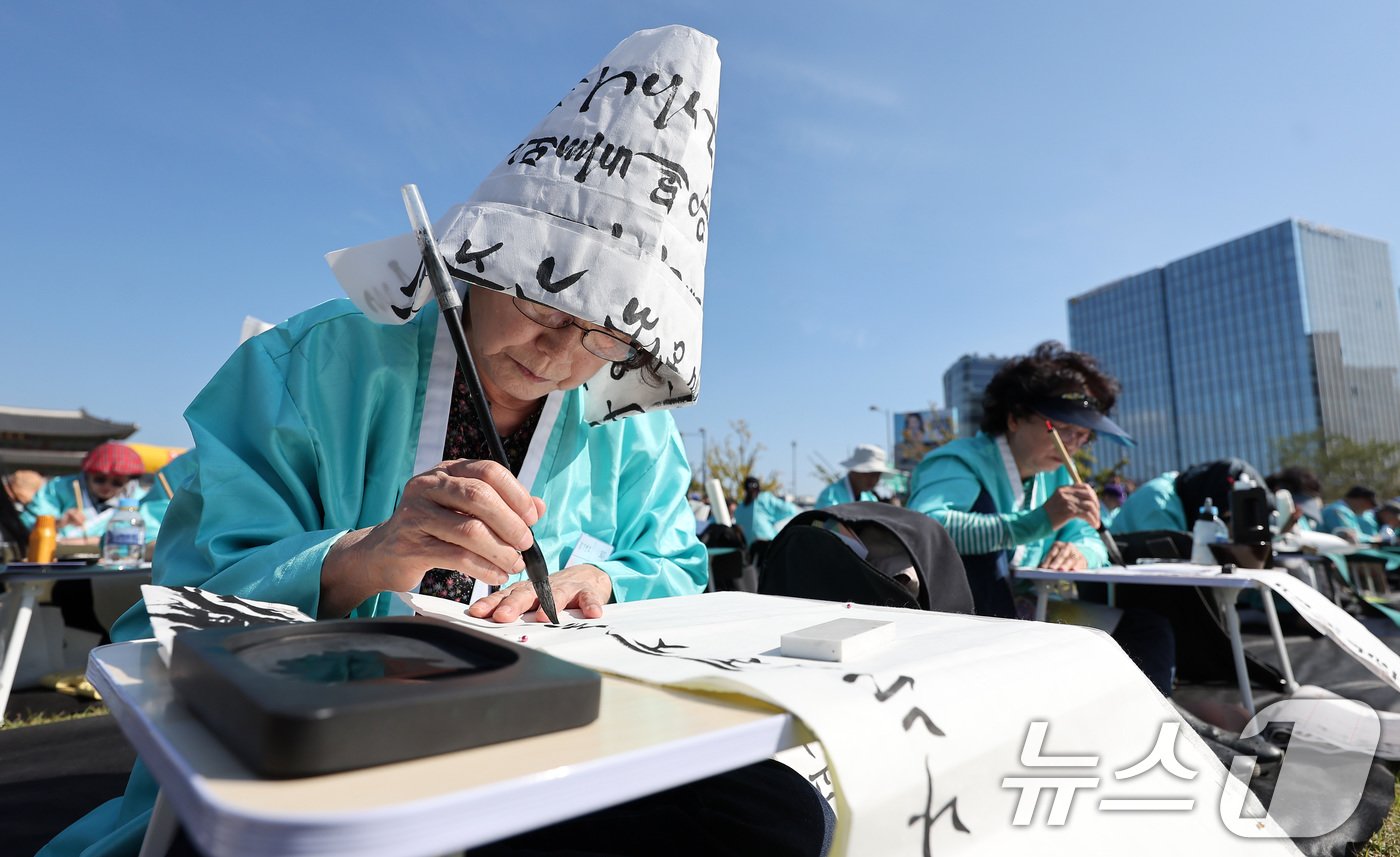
318 697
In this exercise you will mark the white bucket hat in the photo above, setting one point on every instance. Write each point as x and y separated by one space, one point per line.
868 458
602 211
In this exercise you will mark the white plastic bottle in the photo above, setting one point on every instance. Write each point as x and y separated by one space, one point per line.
1208 530
124 543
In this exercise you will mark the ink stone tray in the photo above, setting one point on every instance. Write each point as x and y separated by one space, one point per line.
318 697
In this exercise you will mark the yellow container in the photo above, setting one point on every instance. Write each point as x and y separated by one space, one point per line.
43 539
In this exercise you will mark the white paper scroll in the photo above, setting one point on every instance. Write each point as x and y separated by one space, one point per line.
1340 724
923 738
187 608
1335 622
719 508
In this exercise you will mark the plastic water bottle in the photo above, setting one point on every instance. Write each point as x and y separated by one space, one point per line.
1208 530
124 543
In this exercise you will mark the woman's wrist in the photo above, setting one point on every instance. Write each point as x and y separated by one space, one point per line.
344 576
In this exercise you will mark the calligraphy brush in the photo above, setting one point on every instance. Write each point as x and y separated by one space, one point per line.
1115 556
78 497
451 306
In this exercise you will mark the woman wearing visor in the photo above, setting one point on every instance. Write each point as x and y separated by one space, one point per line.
1004 496
1008 502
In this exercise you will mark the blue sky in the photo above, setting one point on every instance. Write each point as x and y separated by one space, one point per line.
896 184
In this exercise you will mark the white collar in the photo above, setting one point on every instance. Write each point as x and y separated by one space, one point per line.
1018 490
1013 473
437 403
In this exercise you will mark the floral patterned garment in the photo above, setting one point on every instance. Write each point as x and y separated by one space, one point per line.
465 439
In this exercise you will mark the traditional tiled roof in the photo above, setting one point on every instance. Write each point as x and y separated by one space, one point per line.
55 423
47 461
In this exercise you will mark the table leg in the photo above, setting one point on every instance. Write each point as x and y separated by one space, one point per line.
1042 599
1271 611
161 830
19 609
1232 624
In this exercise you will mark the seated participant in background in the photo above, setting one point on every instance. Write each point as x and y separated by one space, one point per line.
1007 501
338 458
1110 501
1352 517
863 471
1173 501
20 487
758 516
1004 495
1388 520
81 504
1305 490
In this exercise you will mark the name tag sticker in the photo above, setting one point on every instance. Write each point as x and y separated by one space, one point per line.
589 550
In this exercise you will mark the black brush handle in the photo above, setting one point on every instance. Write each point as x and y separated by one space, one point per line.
1115 556
451 307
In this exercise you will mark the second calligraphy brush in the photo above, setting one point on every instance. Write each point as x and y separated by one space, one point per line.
451 306
1115 556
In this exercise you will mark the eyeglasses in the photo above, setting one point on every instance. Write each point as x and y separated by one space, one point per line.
1071 433
600 343
114 481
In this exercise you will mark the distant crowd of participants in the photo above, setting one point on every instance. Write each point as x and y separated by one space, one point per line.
1008 501
82 503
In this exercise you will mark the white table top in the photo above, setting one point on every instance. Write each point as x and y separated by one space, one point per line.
645 740
27 572
1168 574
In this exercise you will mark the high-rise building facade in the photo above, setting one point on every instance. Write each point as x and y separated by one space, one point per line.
1290 329
963 384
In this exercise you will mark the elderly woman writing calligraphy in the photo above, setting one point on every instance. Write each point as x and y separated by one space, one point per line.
338 459
1008 501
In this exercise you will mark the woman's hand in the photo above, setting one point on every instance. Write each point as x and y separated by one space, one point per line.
73 517
1064 556
585 588
1073 501
465 515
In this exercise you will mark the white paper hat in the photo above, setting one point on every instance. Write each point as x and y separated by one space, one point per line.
602 211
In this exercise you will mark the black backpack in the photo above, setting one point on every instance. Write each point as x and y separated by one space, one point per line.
809 560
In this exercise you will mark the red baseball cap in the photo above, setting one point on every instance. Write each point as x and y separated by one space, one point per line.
114 459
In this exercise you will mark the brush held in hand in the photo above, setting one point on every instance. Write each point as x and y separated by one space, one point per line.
450 304
1115 556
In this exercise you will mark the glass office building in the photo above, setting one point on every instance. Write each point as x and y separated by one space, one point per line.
963 384
1291 329
1124 325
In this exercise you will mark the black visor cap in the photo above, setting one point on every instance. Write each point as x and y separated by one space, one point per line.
1080 412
